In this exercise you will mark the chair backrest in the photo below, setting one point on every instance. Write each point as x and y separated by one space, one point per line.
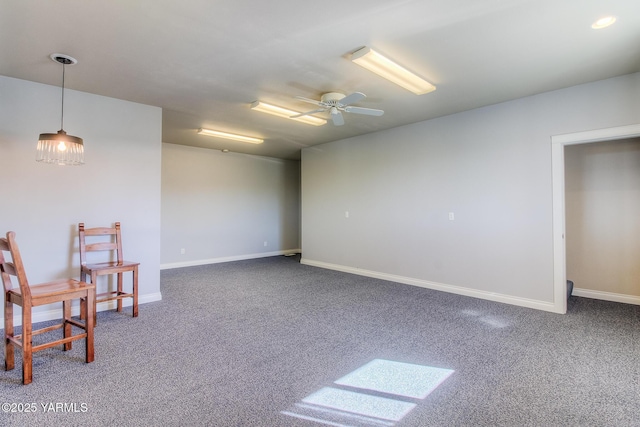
13 267
110 239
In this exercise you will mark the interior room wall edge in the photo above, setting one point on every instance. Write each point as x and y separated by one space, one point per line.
193 263
443 287
606 296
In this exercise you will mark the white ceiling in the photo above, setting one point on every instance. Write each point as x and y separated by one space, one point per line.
205 61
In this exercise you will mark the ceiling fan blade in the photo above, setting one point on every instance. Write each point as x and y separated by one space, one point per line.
336 117
310 101
350 99
366 111
319 110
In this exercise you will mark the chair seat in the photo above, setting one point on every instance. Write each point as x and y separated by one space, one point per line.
111 265
46 293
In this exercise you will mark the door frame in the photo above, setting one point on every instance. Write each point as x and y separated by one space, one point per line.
558 142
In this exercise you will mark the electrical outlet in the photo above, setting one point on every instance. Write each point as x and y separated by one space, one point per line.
265 243
451 216
183 251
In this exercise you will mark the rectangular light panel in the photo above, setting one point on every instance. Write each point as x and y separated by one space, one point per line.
286 113
384 67
233 136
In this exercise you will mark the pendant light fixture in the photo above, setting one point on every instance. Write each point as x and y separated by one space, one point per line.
60 148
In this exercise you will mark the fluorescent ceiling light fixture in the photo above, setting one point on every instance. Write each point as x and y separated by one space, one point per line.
233 136
286 113
384 67
603 22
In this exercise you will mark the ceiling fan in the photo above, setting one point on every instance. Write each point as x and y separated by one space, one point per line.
337 103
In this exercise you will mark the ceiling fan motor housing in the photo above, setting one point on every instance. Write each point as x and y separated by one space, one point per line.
332 98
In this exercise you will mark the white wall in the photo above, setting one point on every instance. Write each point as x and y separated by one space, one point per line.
120 180
491 167
602 194
225 206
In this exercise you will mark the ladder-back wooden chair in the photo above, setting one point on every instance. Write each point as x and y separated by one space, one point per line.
108 239
27 297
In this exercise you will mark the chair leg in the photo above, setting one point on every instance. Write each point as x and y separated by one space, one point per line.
9 348
83 301
27 360
94 282
90 316
135 291
119 306
66 316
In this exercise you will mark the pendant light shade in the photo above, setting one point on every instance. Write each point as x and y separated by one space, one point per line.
60 148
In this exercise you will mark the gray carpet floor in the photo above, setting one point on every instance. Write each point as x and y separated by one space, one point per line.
249 343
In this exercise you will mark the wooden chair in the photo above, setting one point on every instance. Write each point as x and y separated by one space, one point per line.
109 239
27 297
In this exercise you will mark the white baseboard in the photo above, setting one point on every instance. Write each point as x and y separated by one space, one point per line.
491 296
606 296
226 259
53 314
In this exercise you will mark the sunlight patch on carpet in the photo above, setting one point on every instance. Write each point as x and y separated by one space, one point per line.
380 393
493 321
401 379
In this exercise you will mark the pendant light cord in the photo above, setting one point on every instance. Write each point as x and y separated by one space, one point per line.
62 113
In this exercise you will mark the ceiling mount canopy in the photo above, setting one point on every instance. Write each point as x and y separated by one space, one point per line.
60 148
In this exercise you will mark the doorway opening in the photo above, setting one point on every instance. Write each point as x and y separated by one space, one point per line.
558 144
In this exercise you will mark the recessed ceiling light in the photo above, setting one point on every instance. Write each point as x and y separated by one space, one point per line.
233 136
603 22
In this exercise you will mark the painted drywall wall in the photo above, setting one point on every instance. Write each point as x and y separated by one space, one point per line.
225 206
120 181
489 167
602 193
